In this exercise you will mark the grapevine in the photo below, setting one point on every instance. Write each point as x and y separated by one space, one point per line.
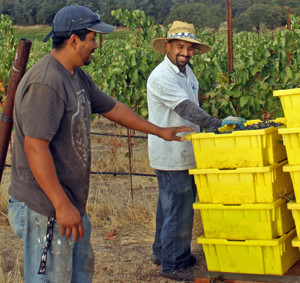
8 45
121 68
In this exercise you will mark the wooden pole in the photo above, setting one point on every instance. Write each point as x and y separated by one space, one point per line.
130 163
288 20
101 41
6 118
230 36
288 26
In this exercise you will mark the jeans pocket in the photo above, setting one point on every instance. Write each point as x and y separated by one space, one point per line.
16 216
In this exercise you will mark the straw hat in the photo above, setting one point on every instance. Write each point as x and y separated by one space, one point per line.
182 31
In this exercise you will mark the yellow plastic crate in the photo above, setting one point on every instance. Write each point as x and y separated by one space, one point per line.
290 101
273 257
245 221
295 208
291 140
249 148
296 242
242 185
294 171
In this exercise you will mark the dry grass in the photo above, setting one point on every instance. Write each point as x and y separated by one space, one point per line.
3 201
2 276
123 228
4 185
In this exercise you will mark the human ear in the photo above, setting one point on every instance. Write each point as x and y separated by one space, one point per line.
167 47
73 40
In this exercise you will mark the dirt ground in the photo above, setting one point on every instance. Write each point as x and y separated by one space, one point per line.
123 218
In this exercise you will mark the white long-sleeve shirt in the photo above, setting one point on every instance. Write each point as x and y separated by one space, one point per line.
167 87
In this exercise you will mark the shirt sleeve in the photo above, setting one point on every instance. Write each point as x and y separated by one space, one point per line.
101 102
41 112
194 113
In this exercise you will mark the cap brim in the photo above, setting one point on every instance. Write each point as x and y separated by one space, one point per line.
158 45
102 28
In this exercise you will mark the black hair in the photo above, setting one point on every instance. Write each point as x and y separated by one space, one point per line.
60 38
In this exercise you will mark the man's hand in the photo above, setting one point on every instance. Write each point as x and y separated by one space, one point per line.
170 134
230 120
69 221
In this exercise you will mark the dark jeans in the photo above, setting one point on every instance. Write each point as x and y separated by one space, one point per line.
174 219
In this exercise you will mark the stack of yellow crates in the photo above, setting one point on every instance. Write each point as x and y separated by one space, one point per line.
290 101
240 184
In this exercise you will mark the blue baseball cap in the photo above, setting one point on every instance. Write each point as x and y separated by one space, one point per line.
74 18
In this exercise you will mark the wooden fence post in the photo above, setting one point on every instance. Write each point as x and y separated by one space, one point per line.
288 20
288 26
6 118
230 36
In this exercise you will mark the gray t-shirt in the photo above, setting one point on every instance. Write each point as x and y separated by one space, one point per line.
54 105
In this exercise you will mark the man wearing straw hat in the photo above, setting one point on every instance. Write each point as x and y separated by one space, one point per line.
172 91
52 154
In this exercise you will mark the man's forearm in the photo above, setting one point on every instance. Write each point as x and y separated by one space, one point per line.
43 169
125 116
193 113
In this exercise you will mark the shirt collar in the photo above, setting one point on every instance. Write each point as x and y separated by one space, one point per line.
174 67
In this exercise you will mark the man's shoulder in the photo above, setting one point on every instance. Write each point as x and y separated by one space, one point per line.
45 71
161 71
38 65
41 66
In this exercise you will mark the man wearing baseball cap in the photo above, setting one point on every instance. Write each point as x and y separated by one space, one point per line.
51 151
172 92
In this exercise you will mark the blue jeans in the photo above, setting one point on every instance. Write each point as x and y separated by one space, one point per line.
174 219
67 261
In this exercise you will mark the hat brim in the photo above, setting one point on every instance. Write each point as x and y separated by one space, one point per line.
102 28
99 27
159 44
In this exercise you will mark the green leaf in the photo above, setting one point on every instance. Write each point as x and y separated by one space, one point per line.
144 112
244 100
116 71
133 61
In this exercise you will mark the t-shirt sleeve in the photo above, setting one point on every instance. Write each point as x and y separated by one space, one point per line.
101 102
41 112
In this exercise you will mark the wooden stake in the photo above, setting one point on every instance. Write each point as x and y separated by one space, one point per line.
6 120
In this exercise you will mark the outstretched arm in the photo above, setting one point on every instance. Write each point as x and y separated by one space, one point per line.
189 110
125 116
192 112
